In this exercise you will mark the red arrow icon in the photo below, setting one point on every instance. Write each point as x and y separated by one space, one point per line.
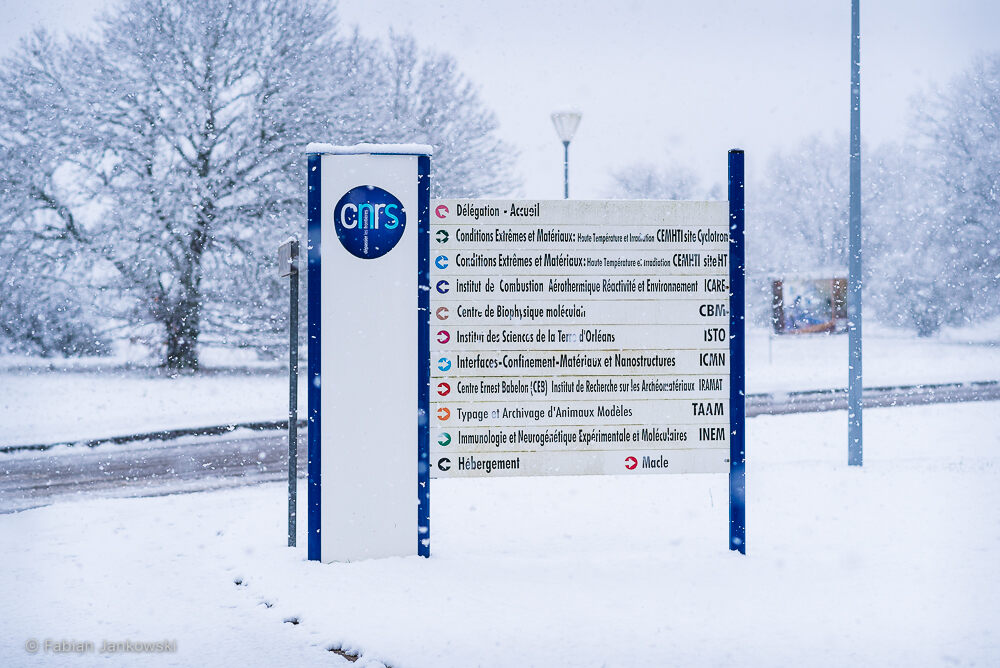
443 337
631 463
441 211
442 313
444 389
444 414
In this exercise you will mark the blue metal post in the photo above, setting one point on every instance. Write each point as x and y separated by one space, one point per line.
313 274
737 357
293 395
854 386
423 356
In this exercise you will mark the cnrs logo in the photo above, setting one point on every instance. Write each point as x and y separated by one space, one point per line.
369 221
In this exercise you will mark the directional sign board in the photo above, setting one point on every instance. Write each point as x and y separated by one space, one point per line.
579 337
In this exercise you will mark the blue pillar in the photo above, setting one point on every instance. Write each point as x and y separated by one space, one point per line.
737 357
424 358
313 242
854 386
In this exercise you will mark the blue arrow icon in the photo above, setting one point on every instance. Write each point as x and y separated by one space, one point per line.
442 287
444 364
441 261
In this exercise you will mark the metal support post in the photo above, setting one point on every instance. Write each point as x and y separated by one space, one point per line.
737 356
854 385
288 265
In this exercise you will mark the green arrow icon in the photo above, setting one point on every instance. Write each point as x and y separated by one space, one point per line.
442 236
445 439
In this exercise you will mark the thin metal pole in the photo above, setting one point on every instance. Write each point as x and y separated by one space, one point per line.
854 386
565 170
293 400
737 356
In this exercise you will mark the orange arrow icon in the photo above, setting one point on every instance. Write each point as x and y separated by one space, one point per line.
443 414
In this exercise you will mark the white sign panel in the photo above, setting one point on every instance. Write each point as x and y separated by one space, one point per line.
365 234
575 337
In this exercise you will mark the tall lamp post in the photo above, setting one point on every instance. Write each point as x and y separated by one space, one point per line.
566 123
855 449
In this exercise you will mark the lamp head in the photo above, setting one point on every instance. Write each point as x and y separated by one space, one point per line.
566 123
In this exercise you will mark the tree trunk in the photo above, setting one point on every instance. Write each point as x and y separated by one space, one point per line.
182 337
184 321
926 318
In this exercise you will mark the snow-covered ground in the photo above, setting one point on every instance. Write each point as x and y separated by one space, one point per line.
76 400
889 565
70 405
815 362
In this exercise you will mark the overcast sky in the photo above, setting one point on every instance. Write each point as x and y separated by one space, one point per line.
660 81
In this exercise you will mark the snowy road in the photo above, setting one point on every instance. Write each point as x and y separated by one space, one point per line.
145 469
814 401
212 462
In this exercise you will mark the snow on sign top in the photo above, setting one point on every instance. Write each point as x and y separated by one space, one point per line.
391 149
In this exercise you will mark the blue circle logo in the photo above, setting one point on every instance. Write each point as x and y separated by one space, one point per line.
369 221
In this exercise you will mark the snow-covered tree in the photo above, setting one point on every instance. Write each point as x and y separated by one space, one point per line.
163 160
930 210
933 218
644 180
429 101
43 309
799 226
799 221
905 280
959 128
170 144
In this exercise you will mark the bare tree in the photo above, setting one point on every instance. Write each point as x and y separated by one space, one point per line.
798 226
931 209
645 180
159 164
905 234
428 100
959 131
800 211
169 146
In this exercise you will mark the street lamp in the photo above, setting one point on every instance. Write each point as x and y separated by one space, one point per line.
566 123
